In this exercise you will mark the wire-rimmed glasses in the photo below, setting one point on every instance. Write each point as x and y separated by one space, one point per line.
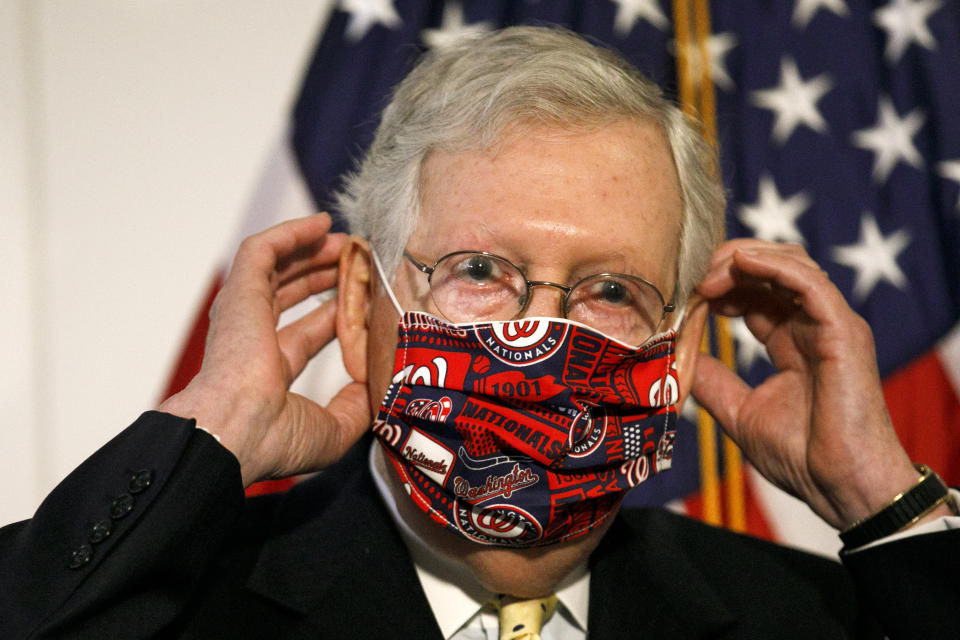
468 286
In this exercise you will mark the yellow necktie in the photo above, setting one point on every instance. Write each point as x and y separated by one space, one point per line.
523 619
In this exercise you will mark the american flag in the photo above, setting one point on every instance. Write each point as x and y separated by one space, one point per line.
839 129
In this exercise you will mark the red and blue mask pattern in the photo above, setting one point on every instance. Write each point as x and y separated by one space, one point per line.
525 432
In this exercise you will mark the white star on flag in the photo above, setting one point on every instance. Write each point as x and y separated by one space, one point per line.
873 257
366 13
718 46
905 21
794 102
452 28
950 169
629 11
891 139
774 218
748 347
804 10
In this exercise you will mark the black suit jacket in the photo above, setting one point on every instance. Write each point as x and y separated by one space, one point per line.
186 556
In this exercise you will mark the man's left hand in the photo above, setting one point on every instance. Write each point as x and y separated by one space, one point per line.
819 428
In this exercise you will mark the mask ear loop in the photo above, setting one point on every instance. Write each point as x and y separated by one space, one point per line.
674 326
386 283
679 317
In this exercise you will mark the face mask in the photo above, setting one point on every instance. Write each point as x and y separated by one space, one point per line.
524 432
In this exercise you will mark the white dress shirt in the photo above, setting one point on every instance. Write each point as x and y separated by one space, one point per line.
459 602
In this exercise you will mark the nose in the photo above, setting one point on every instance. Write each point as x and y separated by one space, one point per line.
549 303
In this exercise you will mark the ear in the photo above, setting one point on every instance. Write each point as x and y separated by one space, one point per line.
354 297
689 339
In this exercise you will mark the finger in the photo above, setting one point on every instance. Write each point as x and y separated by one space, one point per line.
261 253
720 391
773 277
818 297
723 274
726 250
324 253
752 293
249 288
296 291
301 340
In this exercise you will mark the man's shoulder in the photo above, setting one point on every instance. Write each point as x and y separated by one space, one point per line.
687 569
296 559
719 552
690 531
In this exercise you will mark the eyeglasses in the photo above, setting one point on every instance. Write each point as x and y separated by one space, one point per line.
471 286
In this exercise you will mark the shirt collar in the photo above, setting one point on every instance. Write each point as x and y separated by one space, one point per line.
453 594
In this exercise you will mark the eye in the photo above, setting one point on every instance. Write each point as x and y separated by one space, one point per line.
479 268
468 286
610 292
613 292
629 309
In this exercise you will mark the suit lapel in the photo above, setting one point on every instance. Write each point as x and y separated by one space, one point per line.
642 586
335 557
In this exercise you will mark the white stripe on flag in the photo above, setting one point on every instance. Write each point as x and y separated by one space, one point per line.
280 194
792 521
948 349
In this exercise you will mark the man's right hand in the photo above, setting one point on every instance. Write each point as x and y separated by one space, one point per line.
241 393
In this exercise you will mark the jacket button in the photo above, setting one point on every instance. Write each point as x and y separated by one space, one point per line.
140 481
81 556
100 531
121 506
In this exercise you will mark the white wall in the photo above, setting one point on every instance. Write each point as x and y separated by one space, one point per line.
131 136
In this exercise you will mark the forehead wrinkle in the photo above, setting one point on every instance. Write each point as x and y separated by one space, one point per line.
486 229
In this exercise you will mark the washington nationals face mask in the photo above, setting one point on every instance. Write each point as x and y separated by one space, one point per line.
524 432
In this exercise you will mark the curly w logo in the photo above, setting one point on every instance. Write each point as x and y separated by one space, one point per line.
521 329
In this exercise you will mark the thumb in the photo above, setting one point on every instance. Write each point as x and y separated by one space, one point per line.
350 410
319 436
720 391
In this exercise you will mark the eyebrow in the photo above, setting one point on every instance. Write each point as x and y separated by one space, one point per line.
618 258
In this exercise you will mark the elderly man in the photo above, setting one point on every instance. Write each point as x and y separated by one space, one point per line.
521 314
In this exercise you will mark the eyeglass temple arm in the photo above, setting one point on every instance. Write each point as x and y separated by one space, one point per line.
419 265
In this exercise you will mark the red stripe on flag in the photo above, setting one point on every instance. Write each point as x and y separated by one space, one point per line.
191 355
270 486
926 414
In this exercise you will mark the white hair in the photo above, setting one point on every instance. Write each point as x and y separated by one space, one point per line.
464 96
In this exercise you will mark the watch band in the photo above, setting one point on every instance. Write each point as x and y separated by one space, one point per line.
903 511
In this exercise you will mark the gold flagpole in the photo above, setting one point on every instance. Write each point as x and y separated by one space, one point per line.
692 29
689 101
